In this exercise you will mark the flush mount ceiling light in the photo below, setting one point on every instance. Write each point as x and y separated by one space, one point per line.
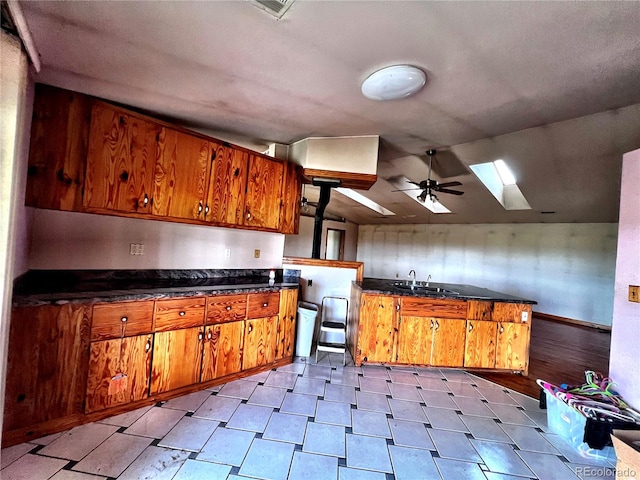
394 82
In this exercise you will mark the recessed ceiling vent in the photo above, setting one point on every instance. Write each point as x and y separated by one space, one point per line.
277 8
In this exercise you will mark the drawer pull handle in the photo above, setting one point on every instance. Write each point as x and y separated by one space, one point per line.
228 308
431 323
265 304
182 313
123 319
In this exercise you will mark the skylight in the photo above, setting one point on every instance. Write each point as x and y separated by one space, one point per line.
501 182
361 199
404 185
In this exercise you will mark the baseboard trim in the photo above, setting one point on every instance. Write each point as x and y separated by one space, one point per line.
581 323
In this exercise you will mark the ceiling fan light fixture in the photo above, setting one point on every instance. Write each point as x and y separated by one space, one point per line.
394 82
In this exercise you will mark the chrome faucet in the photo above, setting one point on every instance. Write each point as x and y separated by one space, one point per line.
413 272
428 279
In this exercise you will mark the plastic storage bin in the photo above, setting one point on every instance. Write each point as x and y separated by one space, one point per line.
570 424
307 314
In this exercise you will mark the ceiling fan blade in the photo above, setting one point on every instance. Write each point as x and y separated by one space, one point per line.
407 189
446 190
449 184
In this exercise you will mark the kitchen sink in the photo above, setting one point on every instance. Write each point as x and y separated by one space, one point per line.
421 287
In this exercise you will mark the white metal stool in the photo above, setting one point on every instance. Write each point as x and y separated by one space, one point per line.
335 326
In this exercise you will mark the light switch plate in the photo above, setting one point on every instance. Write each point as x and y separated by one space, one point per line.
256 253
634 293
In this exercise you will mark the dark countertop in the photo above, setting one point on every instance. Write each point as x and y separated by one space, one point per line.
46 287
450 291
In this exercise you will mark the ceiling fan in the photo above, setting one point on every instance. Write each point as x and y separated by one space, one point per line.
429 186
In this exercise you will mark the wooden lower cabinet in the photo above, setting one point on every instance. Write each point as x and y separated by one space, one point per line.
259 341
377 334
415 338
222 354
108 361
47 364
448 342
480 344
177 356
287 323
512 346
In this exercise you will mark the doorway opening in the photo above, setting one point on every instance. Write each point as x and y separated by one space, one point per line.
334 248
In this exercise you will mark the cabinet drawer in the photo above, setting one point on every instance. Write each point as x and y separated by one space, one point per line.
511 312
226 308
433 307
179 313
263 304
109 318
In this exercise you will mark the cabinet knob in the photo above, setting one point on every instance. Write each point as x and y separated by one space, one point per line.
147 347
206 209
265 305
501 329
250 328
437 325
228 308
182 313
200 208
209 335
248 215
124 319
431 323
200 336
145 200
470 327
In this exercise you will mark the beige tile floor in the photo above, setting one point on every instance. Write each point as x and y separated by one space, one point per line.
318 421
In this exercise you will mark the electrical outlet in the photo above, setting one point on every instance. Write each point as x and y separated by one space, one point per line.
309 283
136 249
634 293
525 316
256 253
227 252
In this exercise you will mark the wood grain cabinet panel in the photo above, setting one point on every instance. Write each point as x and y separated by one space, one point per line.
265 304
57 161
479 310
378 325
264 187
433 307
226 308
448 343
109 359
115 320
121 161
480 344
291 194
178 313
227 185
511 312
177 356
259 342
512 346
226 347
182 175
286 323
415 338
47 364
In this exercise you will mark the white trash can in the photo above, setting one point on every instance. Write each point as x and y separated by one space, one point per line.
307 314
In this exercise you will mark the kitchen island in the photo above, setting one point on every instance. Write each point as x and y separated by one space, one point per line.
438 324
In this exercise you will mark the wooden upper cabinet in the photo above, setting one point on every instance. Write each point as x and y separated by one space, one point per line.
182 175
264 187
291 193
120 161
58 153
227 185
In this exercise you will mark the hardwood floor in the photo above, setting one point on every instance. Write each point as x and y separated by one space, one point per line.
559 353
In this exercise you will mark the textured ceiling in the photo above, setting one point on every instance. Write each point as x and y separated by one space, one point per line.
551 87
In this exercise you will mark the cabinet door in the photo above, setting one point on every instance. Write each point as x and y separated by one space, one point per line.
121 161
264 187
130 356
259 342
287 323
480 344
448 342
182 175
227 185
227 347
291 196
415 337
512 346
176 359
378 325
47 364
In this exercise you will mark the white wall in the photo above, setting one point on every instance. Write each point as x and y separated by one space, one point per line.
301 245
568 269
67 240
15 116
624 363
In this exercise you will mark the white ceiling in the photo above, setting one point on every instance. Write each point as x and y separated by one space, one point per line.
551 87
